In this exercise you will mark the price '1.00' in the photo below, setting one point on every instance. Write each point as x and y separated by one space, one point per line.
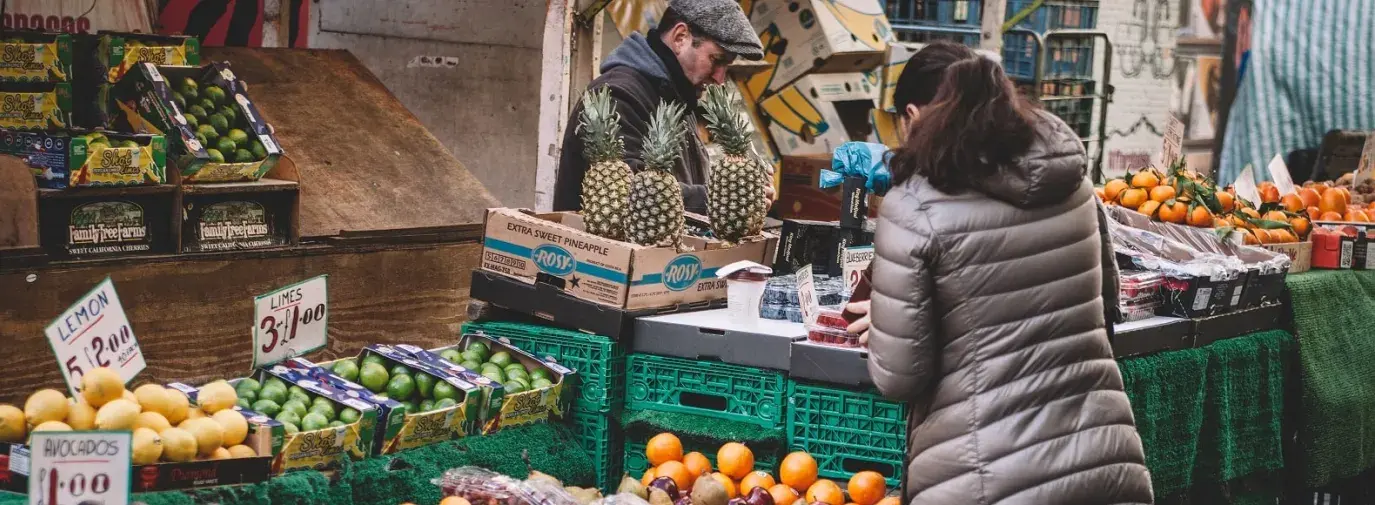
285 330
76 485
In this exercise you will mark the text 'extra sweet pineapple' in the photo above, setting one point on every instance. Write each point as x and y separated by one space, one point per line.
735 191
606 185
656 201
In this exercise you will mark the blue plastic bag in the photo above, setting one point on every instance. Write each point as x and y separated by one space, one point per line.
863 159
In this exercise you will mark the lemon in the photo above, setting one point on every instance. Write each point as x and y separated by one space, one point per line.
80 415
147 446
154 398
52 426
101 386
217 396
117 415
178 445
242 451
234 425
194 413
208 434
220 453
129 395
153 421
45 405
178 406
12 428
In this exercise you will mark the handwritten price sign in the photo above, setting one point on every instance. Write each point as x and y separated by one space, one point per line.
94 332
290 321
79 467
806 294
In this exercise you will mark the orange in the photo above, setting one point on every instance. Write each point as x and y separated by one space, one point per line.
697 464
1292 203
1237 222
867 487
1313 213
890 500
825 491
648 477
798 470
1102 195
1150 207
1249 238
1200 217
677 471
735 460
1330 216
454 500
1332 201
1110 192
1226 201
1282 236
756 479
1357 216
1133 198
731 491
1275 215
1145 179
783 494
1321 187
1346 194
1301 226
663 448
1252 213
1268 192
1371 206
1310 197
1158 194
1221 222
1174 213
1262 235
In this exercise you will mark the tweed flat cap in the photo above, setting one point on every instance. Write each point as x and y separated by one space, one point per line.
724 22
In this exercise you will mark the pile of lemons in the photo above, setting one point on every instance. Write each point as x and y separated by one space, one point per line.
164 424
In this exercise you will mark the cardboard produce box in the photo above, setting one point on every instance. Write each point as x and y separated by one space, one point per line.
553 249
886 128
35 106
148 478
36 56
820 36
98 222
819 112
119 52
63 159
148 99
894 62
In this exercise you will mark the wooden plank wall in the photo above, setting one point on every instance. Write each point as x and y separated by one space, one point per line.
193 317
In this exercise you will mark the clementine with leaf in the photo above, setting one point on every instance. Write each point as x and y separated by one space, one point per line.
1132 198
1158 194
1226 201
1110 192
1145 179
1149 208
1201 217
1301 226
1275 215
1292 203
1269 194
1175 212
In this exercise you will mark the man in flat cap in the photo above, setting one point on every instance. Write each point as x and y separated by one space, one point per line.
692 46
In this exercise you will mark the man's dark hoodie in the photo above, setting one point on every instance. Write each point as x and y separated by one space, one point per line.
641 72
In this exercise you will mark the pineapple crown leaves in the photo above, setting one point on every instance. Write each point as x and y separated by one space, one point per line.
600 127
728 127
663 143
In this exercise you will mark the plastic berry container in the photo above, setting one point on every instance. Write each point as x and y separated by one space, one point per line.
831 336
1137 311
830 317
1139 285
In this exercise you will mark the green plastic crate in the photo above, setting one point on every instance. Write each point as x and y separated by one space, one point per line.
599 361
848 431
636 463
600 436
740 393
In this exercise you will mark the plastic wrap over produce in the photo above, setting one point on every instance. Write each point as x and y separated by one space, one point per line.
1181 251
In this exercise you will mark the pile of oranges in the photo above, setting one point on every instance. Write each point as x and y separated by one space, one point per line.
1186 198
797 475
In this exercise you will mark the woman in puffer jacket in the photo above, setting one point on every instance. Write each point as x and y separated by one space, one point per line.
987 312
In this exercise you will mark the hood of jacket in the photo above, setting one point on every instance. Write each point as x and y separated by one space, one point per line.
635 53
1050 171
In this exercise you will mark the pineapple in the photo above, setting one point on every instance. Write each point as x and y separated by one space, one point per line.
735 191
656 202
606 185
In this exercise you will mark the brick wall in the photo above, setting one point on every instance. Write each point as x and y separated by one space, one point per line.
1144 73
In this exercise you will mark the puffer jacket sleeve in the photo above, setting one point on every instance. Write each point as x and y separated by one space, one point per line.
903 332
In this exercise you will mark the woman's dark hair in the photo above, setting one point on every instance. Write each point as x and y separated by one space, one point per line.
972 120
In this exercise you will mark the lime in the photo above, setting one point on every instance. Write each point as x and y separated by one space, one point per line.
515 368
248 394
287 416
197 112
206 104
290 428
298 394
229 112
274 382
244 403
495 375
313 421
209 131
259 152
479 346
337 424
346 369
323 411
427 405
200 137
444 403
268 408
320 400
179 99
192 121
189 87
401 387
514 387
295 406
523 380
250 384
273 394
373 358
399 370
239 137
243 156
348 416
219 122
490 367
411 407
224 145
127 144
471 365
425 384
373 377
540 373
501 358
97 137
451 355
95 146
445 391
214 94
540 383
474 356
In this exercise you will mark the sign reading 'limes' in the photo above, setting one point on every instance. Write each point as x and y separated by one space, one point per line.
290 321
94 332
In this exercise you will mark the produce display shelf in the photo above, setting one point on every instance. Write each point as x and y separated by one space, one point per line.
848 431
599 361
739 393
107 191
636 463
601 437
258 186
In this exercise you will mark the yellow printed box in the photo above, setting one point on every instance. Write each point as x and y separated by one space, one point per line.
554 249
894 63
35 106
817 36
35 56
820 112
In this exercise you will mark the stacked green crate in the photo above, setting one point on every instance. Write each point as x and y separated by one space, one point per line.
709 388
848 431
600 363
